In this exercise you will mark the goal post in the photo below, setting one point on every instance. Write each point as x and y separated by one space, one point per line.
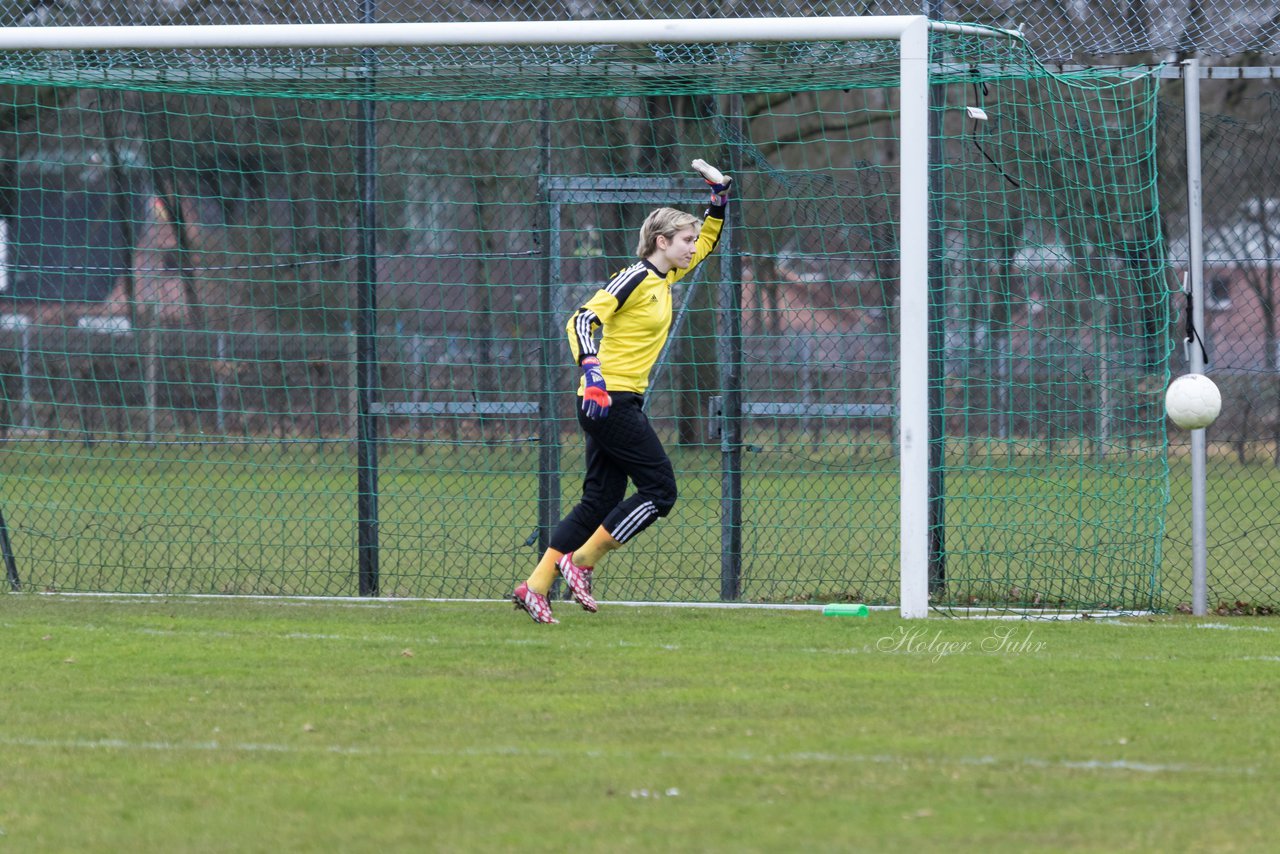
914 251
871 225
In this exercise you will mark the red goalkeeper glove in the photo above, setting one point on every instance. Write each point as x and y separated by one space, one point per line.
595 397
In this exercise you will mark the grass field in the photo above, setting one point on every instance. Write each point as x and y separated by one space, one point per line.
248 725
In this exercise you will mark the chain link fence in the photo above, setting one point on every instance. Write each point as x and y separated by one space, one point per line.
1239 121
148 378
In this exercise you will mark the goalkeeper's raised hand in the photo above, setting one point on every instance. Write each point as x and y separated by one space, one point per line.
595 397
716 180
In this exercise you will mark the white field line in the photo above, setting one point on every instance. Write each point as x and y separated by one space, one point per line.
817 758
553 640
550 640
924 652
361 601
1227 627
429 640
1230 628
393 601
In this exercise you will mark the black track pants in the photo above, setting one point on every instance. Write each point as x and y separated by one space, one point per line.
620 447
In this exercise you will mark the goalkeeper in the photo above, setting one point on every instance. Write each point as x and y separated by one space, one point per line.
633 312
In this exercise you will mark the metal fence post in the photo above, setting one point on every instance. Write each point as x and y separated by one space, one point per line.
551 371
1195 356
729 345
367 368
6 548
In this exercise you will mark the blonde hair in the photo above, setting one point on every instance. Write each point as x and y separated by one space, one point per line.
662 222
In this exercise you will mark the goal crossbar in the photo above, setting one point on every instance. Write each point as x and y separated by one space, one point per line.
458 33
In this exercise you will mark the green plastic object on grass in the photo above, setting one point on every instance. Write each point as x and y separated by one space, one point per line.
844 609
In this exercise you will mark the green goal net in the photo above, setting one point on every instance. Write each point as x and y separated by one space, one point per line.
291 320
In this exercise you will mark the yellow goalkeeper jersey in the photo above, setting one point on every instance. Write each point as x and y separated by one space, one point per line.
634 312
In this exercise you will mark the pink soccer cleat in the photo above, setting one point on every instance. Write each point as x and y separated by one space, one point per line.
533 604
579 580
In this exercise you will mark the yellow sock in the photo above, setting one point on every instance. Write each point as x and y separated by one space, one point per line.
600 544
544 574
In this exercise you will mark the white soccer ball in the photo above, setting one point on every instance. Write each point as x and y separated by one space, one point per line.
1193 401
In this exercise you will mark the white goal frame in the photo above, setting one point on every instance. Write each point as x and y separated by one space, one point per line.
912 32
